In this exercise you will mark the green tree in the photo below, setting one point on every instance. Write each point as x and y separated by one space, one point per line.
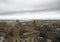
10 33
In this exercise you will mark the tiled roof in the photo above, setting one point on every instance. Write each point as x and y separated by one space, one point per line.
30 32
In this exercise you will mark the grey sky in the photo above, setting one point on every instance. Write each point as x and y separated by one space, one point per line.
29 9
22 6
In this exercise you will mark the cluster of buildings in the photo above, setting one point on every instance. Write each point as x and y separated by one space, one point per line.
29 31
18 32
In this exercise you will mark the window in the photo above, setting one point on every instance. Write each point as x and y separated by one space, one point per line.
30 40
20 41
25 40
16 41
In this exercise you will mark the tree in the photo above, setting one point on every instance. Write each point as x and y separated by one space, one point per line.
42 34
10 33
22 31
58 39
3 24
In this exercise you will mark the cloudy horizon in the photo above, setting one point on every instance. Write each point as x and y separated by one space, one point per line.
15 6
29 9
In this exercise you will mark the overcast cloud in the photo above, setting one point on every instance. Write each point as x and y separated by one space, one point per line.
29 9
35 15
15 6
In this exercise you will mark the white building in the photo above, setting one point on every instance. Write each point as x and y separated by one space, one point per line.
1 39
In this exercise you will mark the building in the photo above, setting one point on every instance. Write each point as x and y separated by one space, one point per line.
23 33
2 39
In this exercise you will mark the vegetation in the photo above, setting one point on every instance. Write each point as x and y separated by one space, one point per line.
10 33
